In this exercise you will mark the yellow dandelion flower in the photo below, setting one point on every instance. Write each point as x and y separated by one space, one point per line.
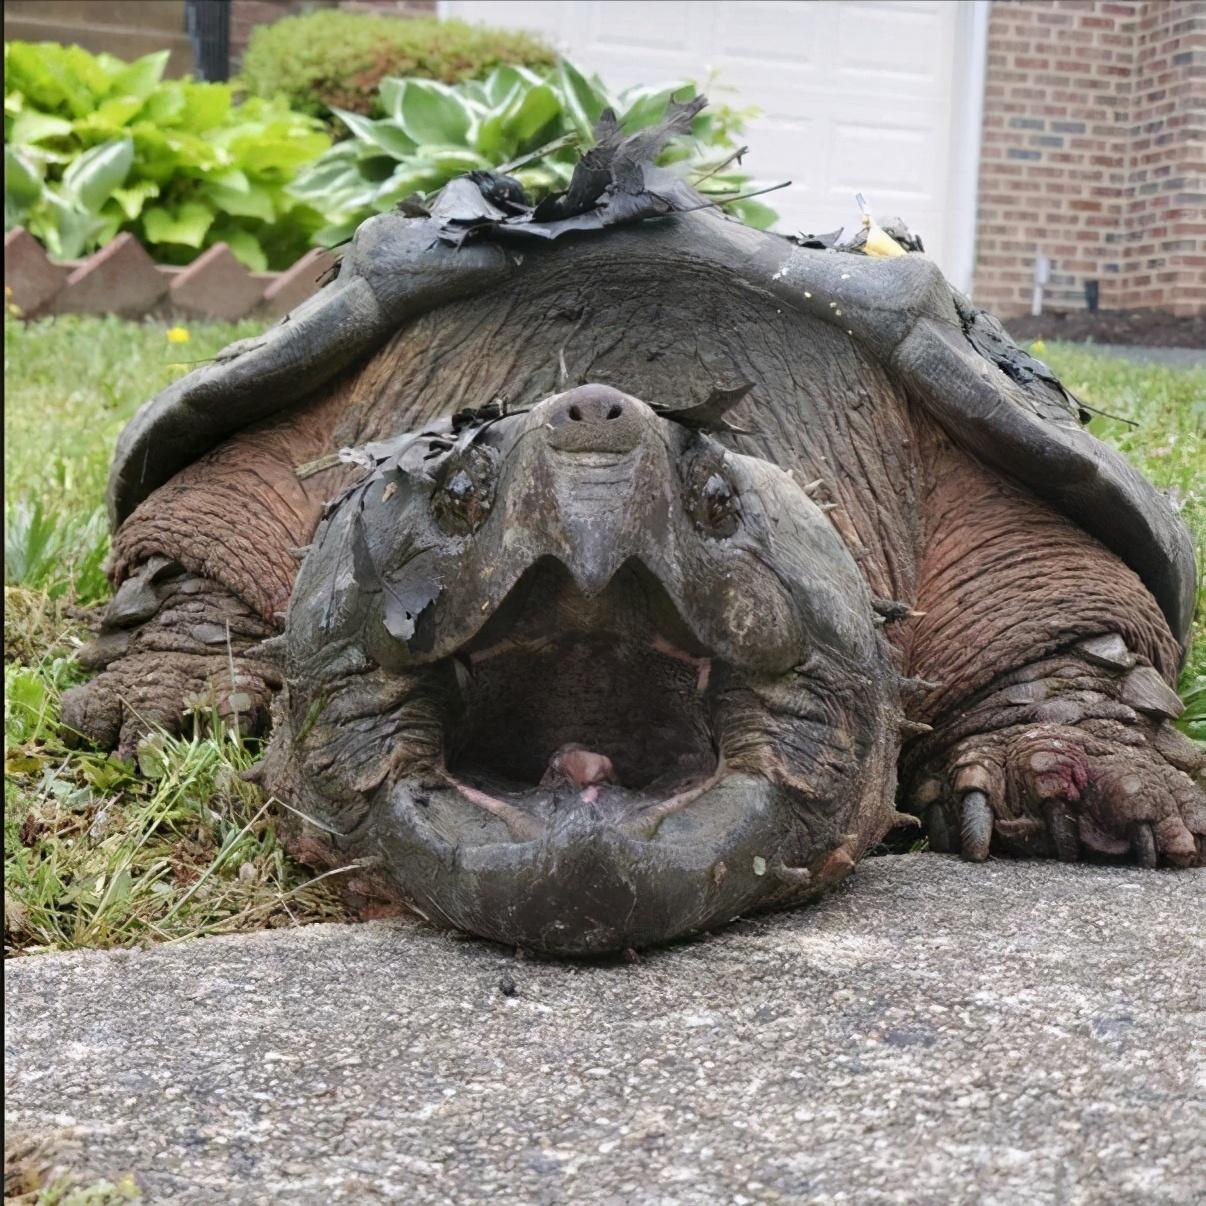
178 335
1038 348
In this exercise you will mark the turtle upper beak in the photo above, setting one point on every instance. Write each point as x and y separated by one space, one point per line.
605 464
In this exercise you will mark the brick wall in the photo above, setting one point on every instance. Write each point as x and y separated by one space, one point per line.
1164 238
126 28
1093 154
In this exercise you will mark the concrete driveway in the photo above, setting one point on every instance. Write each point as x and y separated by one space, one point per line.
936 1032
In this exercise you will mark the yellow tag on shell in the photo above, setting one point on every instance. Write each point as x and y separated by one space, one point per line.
880 243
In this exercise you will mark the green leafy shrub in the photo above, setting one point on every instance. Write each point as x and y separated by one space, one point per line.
335 60
94 146
433 132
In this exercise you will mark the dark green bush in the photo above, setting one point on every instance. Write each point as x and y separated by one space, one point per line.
332 59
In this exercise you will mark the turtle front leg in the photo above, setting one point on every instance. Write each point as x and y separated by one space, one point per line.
172 644
1073 756
1050 671
204 568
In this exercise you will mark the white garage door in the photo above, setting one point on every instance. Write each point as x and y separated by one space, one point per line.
878 97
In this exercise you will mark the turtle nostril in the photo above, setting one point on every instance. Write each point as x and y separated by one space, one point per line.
597 417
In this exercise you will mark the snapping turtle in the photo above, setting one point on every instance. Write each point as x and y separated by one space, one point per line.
664 561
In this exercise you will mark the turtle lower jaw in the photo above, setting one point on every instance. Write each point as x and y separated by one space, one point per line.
591 870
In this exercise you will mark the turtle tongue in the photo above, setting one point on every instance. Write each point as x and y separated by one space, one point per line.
583 768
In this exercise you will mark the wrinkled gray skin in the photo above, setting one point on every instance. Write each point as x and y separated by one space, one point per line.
650 695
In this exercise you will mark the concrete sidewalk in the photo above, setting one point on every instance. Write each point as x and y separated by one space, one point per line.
935 1033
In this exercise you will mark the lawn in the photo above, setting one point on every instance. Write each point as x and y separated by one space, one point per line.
100 853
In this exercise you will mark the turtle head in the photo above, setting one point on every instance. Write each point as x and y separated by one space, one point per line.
582 678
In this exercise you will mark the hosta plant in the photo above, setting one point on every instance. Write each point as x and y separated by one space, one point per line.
94 146
536 123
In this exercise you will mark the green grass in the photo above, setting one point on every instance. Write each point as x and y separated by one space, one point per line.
1160 426
100 853
72 384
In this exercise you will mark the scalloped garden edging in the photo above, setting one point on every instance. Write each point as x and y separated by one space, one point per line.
121 278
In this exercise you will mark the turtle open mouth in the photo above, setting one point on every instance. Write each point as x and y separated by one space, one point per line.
569 702
583 800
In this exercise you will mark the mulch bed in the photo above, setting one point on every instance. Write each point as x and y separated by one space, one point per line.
1135 328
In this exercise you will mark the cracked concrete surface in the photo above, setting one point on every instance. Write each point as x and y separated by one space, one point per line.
934 1032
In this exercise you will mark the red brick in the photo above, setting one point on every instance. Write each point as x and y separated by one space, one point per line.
119 279
216 285
31 280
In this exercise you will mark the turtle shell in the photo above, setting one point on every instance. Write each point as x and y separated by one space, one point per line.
990 397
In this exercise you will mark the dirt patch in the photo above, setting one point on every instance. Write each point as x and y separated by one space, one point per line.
1135 328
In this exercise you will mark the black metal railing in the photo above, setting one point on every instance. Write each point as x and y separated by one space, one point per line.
207 23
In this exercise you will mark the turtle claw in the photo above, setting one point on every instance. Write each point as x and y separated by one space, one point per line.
1143 843
976 823
1059 816
936 829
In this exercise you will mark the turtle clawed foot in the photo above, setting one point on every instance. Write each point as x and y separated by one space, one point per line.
1101 791
139 694
172 647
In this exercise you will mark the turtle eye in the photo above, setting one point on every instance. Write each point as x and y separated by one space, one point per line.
712 501
465 493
